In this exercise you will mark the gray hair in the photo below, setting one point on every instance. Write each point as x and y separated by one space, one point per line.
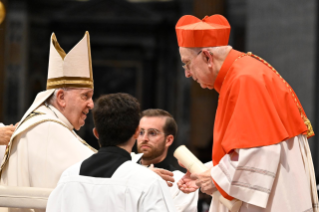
52 98
217 50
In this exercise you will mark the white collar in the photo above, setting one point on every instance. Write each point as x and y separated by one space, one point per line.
60 116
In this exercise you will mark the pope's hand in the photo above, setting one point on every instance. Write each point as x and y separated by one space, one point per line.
186 184
205 182
164 174
5 134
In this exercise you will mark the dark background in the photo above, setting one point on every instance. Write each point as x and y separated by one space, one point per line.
134 50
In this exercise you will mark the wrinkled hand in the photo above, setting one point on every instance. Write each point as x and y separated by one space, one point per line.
164 174
5 134
186 184
205 182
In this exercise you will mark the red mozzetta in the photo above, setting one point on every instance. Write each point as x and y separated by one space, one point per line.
256 107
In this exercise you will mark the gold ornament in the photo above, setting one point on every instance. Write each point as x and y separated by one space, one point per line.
2 12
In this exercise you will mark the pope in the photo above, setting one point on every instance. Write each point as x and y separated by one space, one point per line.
44 143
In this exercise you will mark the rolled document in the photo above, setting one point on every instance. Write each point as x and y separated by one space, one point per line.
24 197
193 165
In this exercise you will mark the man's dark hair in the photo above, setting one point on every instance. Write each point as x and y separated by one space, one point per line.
116 118
170 127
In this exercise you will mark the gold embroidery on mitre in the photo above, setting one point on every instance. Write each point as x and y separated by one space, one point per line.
69 82
58 47
90 57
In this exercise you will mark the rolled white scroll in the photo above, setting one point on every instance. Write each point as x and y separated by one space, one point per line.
24 197
193 165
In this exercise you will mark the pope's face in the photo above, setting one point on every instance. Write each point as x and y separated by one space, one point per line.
78 103
198 67
151 140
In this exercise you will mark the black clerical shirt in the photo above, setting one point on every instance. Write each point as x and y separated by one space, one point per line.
165 165
105 162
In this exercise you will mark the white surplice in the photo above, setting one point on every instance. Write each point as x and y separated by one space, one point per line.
132 188
183 202
267 179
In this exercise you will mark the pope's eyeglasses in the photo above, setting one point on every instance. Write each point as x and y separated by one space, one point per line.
150 133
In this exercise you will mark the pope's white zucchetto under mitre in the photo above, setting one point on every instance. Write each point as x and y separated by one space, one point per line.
73 69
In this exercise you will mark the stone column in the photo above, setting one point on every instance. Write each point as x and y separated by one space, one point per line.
283 33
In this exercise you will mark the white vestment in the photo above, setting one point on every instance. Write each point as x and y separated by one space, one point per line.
2 150
132 188
183 202
267 179
40 154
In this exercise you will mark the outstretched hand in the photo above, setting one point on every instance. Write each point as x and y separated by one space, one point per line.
186 184
164 174
205 182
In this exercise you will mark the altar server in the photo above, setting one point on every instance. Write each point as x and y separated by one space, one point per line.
109 180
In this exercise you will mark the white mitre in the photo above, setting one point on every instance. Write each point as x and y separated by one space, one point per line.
73 69
66 70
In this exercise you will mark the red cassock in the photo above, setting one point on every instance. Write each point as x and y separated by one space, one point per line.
256 107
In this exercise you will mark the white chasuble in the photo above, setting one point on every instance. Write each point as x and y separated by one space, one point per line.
40 154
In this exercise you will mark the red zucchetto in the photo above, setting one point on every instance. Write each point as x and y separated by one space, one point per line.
210 32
